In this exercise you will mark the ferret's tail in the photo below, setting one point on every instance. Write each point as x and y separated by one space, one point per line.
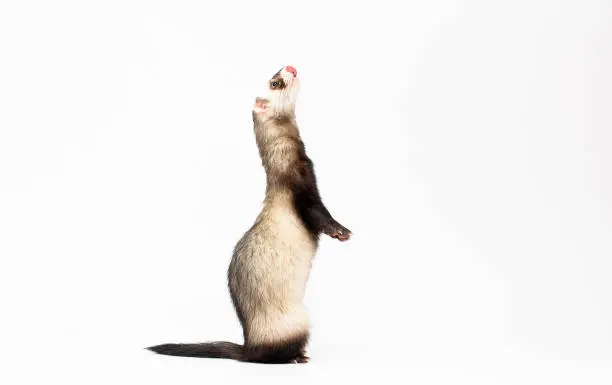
204 350
280 352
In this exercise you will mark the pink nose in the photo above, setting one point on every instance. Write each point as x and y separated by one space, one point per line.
292 70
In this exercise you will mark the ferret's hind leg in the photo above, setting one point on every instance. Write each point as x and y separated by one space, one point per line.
291 350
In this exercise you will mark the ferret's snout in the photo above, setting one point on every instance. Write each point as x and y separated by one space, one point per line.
292 70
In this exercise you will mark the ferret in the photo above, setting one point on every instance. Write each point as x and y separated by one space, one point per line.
271 262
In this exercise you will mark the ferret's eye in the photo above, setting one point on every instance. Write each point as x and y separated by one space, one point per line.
274 84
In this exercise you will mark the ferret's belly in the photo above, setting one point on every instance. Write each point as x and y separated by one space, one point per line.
270 270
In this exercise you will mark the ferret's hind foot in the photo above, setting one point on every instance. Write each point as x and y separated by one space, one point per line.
288 351
301 360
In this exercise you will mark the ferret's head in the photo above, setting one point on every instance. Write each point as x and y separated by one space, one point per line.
280 95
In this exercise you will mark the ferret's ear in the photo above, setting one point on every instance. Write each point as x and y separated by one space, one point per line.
261 105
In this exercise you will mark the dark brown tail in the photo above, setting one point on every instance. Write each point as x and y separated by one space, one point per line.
281 352
205 350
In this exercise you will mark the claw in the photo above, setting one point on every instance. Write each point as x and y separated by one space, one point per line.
301 360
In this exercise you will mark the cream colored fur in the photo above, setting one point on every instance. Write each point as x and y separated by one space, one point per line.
274 262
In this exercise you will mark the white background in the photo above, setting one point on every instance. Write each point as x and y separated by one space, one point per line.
465 143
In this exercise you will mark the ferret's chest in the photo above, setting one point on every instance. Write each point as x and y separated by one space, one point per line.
287 230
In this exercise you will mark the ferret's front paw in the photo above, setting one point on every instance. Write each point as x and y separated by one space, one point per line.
339 232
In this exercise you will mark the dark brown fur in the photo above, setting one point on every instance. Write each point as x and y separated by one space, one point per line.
277 82
290 351
300 180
